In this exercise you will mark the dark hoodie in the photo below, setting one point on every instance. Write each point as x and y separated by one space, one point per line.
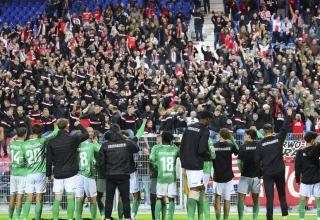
116 153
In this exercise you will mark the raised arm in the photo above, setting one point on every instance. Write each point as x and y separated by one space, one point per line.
49 161
52 134
286 126
141 129
84 133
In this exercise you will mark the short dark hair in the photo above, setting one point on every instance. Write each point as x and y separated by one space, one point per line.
205 115
167 137
37 129
21 131
224 133
62 123
309 136
252 133
268 128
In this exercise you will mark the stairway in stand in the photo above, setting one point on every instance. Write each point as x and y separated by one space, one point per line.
208 34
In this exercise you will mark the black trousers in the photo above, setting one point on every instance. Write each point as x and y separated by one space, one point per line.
122 183
279 180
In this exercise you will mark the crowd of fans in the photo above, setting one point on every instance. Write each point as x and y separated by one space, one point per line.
123 63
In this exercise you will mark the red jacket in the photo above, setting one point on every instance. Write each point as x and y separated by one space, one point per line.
297 126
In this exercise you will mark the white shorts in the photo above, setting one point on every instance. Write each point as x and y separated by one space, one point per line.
153 185
249 184
206 178
68 184
36 183
167 189
310 190
134 185
17 184
101 185
194 178
85 185
224 190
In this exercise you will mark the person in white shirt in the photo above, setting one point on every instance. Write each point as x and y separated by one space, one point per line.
192 119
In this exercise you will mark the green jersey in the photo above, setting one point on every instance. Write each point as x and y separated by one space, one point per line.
18 158
152 166
207 166
165 158
35 153
86 159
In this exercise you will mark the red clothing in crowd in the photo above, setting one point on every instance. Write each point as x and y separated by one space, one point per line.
86 16
97 14
132 42
297 126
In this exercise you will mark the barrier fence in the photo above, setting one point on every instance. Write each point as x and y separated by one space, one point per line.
293 142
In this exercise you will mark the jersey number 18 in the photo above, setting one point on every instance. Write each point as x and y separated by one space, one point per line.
167 164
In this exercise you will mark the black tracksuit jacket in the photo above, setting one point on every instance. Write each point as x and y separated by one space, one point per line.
62 153
194 147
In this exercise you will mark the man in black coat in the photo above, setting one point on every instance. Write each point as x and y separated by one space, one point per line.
62 155
115 163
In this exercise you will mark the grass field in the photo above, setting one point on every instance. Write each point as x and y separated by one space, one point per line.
184 217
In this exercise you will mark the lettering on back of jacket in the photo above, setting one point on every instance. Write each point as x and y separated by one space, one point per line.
270 142
111 146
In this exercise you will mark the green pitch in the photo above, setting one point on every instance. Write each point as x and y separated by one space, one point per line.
184 217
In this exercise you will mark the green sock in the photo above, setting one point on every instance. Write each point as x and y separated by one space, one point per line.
318 207
55 209
158 209
93 211
302 206
164 210
200 206
38 211
18 213
26 209
218 216
192 203
11 211
171 210
120 210
225 216
206 210
240 209
135 207
70 207
255 210
79 209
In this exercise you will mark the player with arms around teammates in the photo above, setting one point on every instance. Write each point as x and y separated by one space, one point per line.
194 151
250 173
36 169
17 172
85 181
62 155
223 173
163 158
307 169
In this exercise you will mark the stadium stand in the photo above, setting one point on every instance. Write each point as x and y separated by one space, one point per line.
107 63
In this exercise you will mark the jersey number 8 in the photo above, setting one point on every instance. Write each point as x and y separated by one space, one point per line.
83 159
